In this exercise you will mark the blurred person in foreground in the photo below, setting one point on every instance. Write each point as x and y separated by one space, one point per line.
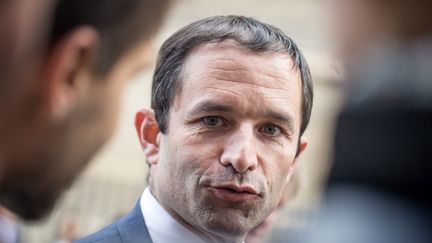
64 67
231 99
380 185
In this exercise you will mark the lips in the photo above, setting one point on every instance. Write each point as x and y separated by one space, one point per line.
241 189
234 193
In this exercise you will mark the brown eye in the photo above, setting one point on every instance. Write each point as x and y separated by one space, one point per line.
213 121
271 130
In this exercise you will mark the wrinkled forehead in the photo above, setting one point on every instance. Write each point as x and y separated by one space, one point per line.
231 62
226 73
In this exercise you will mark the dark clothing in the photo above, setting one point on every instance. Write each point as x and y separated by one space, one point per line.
380 185
129 229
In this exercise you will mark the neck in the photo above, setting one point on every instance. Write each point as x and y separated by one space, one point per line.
214 237
207 236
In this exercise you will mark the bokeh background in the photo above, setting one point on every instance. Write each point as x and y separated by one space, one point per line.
115 179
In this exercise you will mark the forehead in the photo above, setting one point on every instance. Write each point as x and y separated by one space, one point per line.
227 72
240 64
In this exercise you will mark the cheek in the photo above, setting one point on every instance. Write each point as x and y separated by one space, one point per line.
179 160
196 161
200 151
277 167
191 161
107 122
112 103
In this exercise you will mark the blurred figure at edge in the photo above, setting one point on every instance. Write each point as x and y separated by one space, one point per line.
63 65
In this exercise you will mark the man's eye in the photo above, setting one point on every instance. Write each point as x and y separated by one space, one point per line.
271 130
213 121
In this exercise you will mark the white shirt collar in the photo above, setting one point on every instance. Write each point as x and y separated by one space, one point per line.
161 225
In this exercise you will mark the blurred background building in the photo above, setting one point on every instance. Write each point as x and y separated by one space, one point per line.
113 182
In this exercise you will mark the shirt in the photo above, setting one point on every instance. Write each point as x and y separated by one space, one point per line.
163 228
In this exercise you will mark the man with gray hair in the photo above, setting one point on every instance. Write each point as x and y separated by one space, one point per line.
231 99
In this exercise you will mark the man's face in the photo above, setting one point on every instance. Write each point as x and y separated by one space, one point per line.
232 139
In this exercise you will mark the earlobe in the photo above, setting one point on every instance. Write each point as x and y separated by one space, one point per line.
148 134
303 144
69 59
302 147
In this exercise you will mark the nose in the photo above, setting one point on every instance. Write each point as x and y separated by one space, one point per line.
240 150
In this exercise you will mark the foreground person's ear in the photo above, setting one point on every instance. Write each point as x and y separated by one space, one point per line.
66 70
148 133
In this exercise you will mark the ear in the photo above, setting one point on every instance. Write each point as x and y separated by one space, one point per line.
303 143
148 134
65 69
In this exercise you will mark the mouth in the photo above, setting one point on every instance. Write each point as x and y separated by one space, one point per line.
234 193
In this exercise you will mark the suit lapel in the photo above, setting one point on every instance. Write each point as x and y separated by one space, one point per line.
132 228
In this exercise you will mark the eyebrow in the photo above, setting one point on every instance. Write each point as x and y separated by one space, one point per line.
208 107
282 118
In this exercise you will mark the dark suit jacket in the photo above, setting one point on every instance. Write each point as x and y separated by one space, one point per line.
129 229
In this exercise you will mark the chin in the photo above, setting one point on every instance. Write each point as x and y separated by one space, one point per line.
27 204
228 224
32 194
228 230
